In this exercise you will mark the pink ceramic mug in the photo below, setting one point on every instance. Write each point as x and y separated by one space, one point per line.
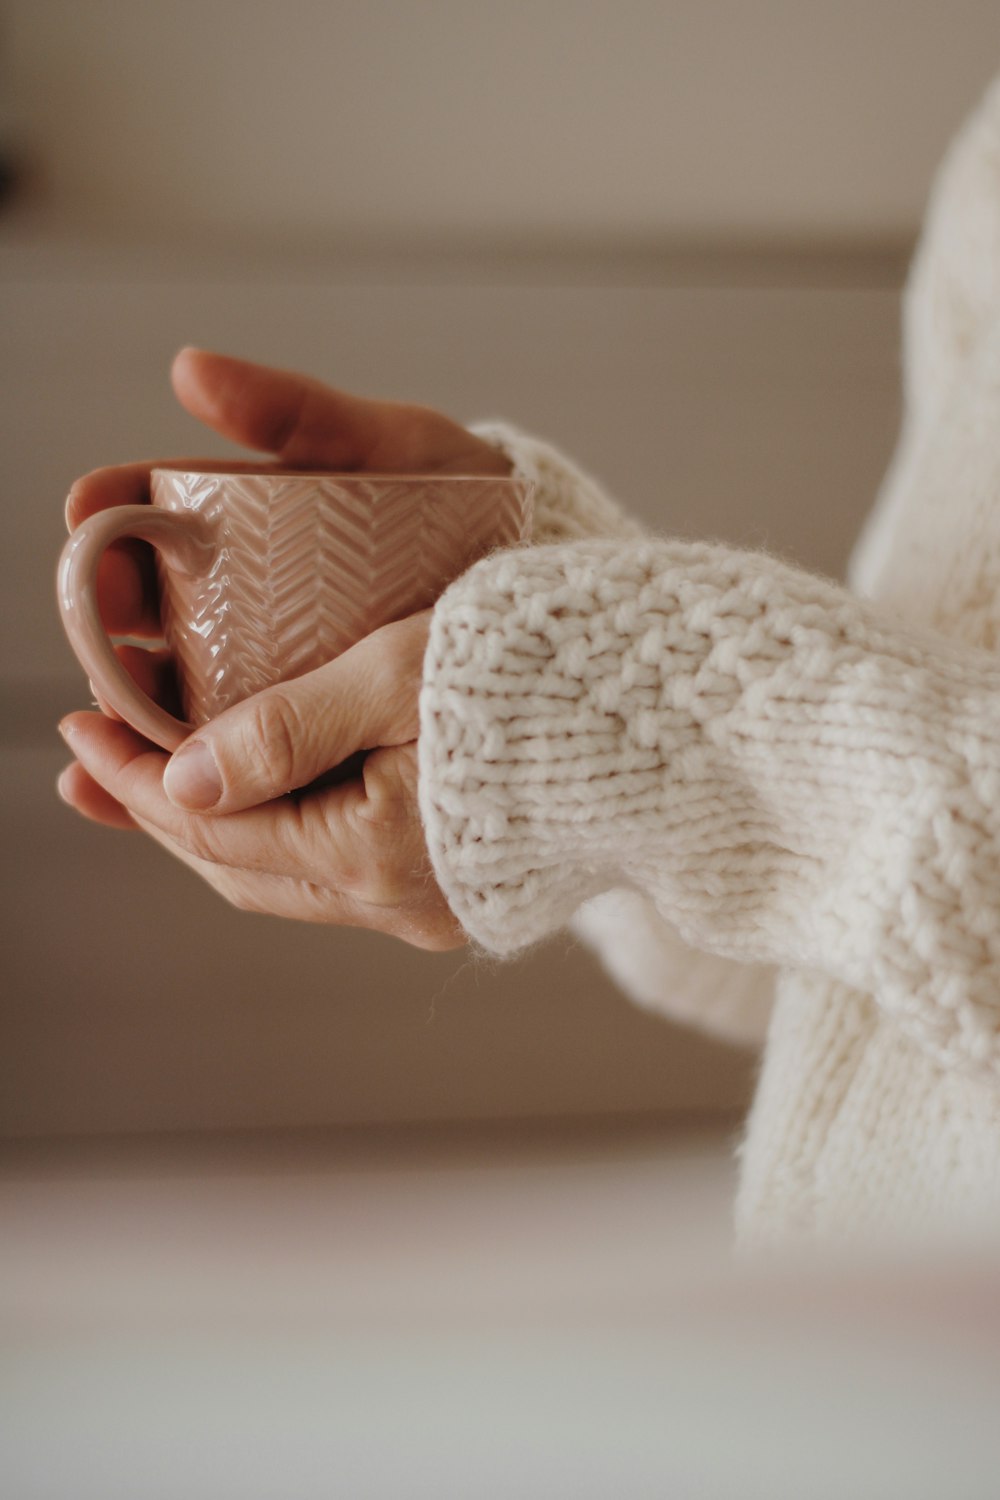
269 573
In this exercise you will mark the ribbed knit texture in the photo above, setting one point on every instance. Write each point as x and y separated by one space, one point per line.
731 762
642 951
790 778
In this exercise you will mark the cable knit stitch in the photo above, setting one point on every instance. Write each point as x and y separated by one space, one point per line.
642 951
790 778
740 752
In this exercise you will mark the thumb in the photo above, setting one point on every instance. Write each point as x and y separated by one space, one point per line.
298 419
285 737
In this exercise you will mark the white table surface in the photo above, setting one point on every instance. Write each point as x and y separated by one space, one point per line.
500 1316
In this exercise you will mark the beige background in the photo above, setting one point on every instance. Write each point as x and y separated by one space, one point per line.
669 237
443 119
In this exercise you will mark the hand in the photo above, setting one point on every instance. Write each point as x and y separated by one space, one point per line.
118 777
298 421
351 854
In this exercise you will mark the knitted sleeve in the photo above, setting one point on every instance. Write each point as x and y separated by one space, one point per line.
640 949
787 776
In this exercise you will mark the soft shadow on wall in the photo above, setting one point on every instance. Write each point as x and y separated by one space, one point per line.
668 237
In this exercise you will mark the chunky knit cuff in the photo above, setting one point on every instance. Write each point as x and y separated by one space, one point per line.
640 949
788 777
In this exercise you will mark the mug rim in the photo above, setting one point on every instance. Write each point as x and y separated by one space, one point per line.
264 471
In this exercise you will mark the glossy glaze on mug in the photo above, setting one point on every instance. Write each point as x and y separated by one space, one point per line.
291 570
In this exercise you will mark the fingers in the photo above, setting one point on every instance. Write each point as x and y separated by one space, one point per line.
127 591
292 416
298 419
126 582
316 839
247 890
286 736
153 673
126 578
80 791
121 484
128 484
351 855
301 900
307 424
264 894
303 422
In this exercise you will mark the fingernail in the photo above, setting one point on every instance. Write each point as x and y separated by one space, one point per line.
192 778
62 784
67 730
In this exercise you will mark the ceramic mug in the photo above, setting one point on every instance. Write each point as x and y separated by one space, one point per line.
269 573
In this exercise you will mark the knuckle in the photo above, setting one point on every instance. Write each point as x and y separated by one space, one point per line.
395 661
314 901
197 836
273 735
390 791
396 869
353 880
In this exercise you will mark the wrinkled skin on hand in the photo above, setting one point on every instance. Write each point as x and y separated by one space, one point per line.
230 803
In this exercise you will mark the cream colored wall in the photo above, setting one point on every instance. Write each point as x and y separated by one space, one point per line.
133 999
752 398
634 119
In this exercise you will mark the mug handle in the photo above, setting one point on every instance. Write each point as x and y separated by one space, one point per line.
184 541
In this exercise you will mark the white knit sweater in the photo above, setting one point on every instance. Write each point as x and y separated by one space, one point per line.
738 780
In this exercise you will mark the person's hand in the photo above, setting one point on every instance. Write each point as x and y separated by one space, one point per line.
303 424
352 854
296 420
